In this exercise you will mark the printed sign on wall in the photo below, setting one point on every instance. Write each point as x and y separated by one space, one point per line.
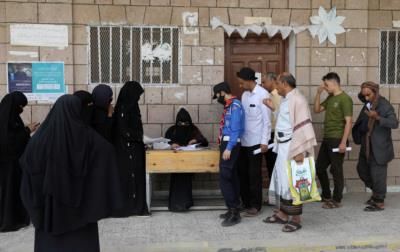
40 81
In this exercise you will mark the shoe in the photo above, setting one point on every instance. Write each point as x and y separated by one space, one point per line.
225 215
233 218
252 212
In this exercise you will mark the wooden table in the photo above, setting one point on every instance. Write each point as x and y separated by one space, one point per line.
169 161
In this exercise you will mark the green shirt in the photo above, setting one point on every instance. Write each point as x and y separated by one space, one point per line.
336 109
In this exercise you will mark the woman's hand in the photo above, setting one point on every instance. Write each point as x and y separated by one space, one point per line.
193 141
175 146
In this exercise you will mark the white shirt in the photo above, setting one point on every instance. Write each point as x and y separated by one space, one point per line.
257 125
283 119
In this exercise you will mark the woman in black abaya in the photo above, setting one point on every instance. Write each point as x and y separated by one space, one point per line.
183 133
14 136
128 142
102 120
70 181
87 105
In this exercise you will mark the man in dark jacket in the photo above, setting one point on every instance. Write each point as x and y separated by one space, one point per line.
374 124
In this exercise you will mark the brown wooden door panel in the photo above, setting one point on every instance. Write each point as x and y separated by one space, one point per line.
256 65
260 53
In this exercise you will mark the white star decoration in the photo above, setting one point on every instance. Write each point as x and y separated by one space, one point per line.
326 25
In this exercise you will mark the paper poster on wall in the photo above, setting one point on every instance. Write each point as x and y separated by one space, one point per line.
40 81
39 35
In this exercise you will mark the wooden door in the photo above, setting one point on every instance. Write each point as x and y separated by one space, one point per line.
260 53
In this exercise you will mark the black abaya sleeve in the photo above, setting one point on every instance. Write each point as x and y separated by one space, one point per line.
199 137
170 135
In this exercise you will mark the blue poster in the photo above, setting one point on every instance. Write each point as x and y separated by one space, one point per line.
48 78
41 81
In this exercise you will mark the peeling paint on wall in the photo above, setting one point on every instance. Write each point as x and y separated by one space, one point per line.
190 22
163 52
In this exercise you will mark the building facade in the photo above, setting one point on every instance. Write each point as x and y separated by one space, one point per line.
170 47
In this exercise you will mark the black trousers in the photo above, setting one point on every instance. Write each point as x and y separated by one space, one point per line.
373 175
250 177
270 157
228 176
335 160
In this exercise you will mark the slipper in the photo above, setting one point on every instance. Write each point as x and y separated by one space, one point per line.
291 227
331 204
373 208
274 219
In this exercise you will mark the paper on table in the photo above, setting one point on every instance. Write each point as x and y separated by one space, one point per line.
337 149
161 146
149 140
191 147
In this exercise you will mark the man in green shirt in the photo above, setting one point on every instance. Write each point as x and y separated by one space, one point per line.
338 108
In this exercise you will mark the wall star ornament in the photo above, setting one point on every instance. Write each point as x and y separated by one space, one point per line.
326 25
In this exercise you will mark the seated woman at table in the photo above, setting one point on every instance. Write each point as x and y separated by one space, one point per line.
183 133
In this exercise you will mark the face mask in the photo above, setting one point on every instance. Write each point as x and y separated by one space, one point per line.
221 100
362 98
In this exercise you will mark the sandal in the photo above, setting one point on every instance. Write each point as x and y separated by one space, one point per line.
331 204
373 208
275 219
291 226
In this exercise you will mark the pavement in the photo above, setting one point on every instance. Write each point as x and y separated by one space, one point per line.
348 228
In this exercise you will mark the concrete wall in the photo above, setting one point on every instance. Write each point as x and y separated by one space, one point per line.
354 57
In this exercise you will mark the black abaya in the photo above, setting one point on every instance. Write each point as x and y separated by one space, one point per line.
180 190
101 122
13 138
70 180
128 142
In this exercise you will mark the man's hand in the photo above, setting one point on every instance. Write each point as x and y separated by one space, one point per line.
299 158
321 88
226 155
269 104
342 147
193 141
372 114
33 126
264 148
110 110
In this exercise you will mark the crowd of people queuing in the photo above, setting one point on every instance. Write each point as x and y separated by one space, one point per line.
86 161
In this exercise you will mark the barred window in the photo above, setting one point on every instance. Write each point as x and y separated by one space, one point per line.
149 55
389 57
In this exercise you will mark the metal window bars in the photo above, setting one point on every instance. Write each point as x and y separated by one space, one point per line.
147 54
389 58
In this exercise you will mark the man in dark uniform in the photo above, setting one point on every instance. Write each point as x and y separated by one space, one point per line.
231 128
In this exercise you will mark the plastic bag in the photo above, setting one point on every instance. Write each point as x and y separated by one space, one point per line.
302 184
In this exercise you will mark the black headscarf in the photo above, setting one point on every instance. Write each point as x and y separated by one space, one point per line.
102 96
10 109
87 105
60 150
68 169
183 133
127 111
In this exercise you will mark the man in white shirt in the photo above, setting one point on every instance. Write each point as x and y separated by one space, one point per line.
257 132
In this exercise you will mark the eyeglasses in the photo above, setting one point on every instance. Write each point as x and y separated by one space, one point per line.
183 123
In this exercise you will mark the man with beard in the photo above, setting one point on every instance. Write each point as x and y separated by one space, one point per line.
294 140
373 130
